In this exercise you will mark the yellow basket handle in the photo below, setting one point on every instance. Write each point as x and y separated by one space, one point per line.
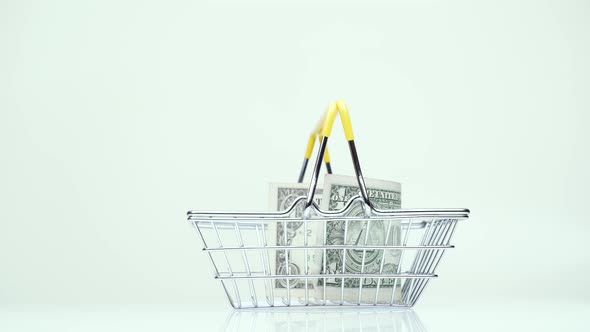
324 126
339 107
313 136
311 143
325 129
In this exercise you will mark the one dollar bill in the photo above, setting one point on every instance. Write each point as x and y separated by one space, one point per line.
292 262
338 190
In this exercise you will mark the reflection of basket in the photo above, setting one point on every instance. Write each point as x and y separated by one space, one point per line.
332 319
242 258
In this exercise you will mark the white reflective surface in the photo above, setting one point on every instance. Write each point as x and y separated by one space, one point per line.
470 316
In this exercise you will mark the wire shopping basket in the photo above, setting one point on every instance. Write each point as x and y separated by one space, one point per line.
244 248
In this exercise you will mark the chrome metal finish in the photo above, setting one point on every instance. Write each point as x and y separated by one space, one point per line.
302 172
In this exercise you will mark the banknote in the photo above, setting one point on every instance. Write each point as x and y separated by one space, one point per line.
282 196
338 190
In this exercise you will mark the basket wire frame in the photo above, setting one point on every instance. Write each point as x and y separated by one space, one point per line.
237 246
250 284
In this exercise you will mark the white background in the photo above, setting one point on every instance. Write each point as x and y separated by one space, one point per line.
118 116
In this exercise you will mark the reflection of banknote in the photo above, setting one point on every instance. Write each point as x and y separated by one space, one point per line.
338 190
282 195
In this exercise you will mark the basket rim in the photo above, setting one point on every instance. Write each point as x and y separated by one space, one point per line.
462 213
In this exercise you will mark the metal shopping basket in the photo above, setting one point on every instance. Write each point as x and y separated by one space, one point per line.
243 253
